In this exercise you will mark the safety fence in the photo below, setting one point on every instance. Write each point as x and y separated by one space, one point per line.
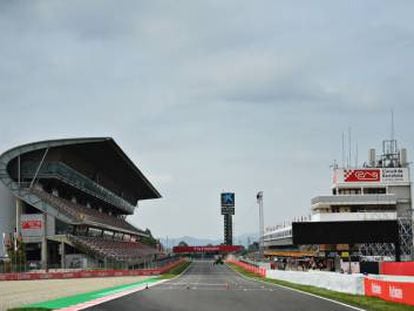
251 268
88 273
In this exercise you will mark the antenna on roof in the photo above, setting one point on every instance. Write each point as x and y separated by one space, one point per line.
349 164
343 150
392 124
356 154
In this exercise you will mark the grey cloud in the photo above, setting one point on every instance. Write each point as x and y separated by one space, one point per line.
212 95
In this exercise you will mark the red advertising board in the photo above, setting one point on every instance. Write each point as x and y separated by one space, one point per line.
397 268
401 292
207 249
86 274
365 175
31 224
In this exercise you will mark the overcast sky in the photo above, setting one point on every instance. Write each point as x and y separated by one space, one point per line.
206 96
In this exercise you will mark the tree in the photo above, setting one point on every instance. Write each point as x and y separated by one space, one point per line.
183 244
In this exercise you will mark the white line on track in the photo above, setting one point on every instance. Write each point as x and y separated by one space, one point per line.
98 301
302 292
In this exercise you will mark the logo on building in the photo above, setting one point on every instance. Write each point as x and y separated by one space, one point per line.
369 175
227 199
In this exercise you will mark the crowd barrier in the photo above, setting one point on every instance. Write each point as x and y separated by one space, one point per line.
397 268
256 270
401 292
344 283
87 273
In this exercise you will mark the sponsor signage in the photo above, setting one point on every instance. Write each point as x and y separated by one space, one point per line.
227 210
31 225
362 175
401 292
228 199
397 174
372 175
207 249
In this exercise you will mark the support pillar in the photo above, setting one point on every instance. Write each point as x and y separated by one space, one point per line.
18 214
62 254
44 244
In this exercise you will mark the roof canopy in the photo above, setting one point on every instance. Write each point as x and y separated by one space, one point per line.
104 154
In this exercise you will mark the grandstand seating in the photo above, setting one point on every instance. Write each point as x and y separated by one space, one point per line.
83 214
113 249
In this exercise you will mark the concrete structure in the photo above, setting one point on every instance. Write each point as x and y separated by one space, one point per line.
227 210
378 190
7 216
71 197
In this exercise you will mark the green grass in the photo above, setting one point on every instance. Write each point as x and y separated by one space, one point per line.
175 271
364 302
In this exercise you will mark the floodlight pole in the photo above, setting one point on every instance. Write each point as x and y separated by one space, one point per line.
261 224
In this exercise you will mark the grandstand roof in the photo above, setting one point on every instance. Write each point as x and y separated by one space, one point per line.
104 153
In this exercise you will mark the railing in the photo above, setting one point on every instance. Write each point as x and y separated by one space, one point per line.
69 175
380 199
354 216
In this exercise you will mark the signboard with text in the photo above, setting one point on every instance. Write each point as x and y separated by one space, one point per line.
207 249
227 199
372 175
227 203
31 225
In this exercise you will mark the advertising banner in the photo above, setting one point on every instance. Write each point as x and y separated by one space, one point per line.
401 292
397 268
372 175
31 225
227 199
207 249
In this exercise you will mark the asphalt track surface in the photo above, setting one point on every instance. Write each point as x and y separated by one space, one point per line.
205 286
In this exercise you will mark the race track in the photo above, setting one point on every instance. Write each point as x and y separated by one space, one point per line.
205 286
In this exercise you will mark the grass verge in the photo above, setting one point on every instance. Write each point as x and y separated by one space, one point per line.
175 271
364 302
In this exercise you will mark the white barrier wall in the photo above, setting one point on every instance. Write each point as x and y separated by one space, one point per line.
344 283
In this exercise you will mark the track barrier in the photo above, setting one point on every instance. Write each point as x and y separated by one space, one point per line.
251 268
87 273
397 268
401 292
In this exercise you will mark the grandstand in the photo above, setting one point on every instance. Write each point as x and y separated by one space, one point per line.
68 200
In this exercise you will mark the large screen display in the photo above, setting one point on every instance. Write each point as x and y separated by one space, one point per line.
349 232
